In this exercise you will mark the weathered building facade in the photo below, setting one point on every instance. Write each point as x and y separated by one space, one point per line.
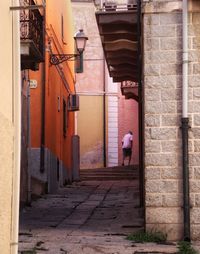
104 116
47 88
10 127
154 34
163 85
32 62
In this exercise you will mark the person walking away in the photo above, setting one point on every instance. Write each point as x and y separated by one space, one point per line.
127 143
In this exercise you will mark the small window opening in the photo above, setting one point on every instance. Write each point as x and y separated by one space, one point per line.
64 118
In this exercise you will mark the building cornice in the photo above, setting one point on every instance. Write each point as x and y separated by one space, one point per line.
169 6
97 93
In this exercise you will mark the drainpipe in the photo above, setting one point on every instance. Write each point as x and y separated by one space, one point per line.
140 108
101 4
29 139
42 148
17 129
104 114
185 124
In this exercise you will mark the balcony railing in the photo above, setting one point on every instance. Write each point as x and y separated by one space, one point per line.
129 84
32 30
117 5
130 89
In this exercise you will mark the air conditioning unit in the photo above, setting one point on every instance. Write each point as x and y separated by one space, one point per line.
73 102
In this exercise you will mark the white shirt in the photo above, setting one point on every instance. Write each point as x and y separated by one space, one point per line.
127 141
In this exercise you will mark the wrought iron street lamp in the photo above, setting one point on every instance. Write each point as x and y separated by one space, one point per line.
80 42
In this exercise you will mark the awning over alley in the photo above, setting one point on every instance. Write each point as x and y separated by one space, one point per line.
118 28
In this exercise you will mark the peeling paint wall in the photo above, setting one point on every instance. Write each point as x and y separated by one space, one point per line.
90 129
89 85
6 126
6 166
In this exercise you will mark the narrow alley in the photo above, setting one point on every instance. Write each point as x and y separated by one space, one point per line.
86 217
90 216
77 77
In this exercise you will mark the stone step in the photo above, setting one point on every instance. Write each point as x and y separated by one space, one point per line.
127 176
112 169
113 173
105 178
109 172
109 177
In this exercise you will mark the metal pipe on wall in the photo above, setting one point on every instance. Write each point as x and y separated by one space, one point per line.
185 60
42 146
185 124
104 116
29 138
17 127
140 108
43 98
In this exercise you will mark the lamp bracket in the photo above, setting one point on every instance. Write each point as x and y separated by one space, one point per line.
56 59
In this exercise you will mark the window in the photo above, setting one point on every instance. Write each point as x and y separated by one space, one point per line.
58 169
64 118
62 27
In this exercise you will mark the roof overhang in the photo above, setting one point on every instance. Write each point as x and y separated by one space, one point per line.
119 35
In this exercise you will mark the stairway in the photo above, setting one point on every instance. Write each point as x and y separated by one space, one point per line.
111 173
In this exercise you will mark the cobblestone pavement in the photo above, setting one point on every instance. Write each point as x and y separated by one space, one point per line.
86 218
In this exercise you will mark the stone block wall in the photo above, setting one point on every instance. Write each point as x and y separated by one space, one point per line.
194 107
162 34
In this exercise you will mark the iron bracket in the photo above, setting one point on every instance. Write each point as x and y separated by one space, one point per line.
56 59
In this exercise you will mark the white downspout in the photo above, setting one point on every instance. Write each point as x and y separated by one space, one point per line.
17 128
185 60
101 4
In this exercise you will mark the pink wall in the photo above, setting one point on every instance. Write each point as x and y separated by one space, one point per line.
128 120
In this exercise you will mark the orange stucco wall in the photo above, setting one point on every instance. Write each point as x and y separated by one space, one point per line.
55 84
35 105
56 89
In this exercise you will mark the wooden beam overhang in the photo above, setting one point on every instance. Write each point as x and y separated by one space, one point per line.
121 60
121 79
119 35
